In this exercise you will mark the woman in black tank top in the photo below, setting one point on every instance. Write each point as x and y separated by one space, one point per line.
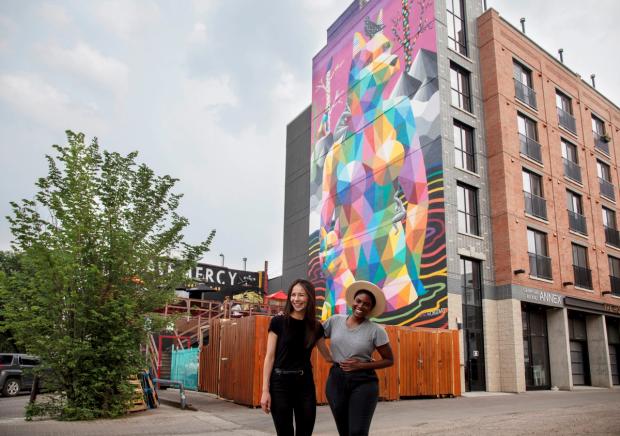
288 385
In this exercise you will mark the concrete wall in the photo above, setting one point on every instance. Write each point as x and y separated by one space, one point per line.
559 349
598 351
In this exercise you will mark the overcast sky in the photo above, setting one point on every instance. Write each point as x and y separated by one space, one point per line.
204 91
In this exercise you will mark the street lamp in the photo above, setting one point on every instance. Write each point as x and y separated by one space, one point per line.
245 259
222 256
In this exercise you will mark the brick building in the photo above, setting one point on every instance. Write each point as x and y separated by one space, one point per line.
551 141
520 166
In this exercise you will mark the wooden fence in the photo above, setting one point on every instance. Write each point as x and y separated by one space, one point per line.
426 362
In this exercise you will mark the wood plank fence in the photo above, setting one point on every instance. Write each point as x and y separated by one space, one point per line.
426 362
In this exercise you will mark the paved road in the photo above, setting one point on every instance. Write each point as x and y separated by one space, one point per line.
590 411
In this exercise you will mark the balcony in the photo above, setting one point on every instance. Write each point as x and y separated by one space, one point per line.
567 121
540 266
583 277
525 94
572 170
600 143
607 189
615 285
612 237
577 222
530 148
535 205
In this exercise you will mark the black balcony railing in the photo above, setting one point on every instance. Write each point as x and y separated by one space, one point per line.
612 237
535 205
526 94
583 277
615 285
607 189
566 120
540 266
577 222
530 148
572 170
600 143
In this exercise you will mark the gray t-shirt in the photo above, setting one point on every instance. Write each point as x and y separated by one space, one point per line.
358 342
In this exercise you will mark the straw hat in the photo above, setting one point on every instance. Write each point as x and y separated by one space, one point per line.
354 287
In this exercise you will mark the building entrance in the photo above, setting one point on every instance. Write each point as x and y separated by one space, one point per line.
535 347
580 365
613 339
473 337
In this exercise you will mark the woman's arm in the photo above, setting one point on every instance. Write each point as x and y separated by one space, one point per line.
324 350
387 359
270 355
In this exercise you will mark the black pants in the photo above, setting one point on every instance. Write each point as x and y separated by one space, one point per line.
293 394
353 397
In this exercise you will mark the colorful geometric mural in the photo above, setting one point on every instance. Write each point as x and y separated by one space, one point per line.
376 194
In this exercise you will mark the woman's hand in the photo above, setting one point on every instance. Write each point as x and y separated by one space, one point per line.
265 402
351 364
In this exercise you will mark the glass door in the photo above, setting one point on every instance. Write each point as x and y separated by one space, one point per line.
535 347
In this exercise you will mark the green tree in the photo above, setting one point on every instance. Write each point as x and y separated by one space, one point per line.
9 264
100 249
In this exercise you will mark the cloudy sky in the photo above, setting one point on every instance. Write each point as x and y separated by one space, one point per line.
204 90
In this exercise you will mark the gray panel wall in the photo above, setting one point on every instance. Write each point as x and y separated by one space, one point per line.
297 199
458 244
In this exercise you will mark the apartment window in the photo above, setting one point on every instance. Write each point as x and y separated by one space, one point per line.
565 112
535 203
614 274
570 160
604 178
601 139
467 203
459 82
464 147
457 39
576 220
528 138
611 230
523 84
540 263
583 275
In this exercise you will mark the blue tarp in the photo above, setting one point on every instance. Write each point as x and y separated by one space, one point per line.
185 367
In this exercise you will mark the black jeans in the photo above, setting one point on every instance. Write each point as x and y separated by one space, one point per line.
293 394
353 397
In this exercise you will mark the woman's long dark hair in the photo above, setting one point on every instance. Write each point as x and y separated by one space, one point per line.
312 324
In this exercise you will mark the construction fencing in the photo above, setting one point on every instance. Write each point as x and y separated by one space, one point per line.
184 367
231 365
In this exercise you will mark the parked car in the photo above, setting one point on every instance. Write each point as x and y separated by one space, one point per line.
16 372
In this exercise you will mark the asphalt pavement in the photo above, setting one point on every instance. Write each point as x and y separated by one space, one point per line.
583 411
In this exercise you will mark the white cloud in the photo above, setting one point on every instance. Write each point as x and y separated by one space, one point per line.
288 87
201 94
199 34
42 102
85 61
127 18
322 5
54 14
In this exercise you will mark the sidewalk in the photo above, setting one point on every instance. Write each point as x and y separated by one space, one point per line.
592 411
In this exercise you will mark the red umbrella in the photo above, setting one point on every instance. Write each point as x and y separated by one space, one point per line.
279 295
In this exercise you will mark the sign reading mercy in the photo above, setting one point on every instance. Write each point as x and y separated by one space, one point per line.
222 277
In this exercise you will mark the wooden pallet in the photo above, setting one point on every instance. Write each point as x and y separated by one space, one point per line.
137 401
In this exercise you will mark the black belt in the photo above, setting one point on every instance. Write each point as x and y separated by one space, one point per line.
288 371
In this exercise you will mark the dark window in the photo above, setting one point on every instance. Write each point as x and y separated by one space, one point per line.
457 40
535 203
614 274
523 84
459 82
467 203
612 236
604 178
528 138
540 263
609 218
565 112
583 275
600 137
28 361
464 147
571 162
576 219
6 360
473 335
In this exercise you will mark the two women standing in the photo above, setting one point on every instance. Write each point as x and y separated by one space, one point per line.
352 386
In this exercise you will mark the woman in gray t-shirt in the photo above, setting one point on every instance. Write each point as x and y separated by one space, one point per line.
352 386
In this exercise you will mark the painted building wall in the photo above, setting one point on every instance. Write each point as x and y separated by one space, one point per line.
376 208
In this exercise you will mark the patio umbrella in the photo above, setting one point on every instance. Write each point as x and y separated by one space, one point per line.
279 295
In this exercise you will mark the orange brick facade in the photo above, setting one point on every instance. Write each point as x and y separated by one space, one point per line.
500 45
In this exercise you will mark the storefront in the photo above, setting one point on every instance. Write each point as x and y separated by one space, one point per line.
535 346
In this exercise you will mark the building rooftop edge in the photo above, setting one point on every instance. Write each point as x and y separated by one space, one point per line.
557 62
